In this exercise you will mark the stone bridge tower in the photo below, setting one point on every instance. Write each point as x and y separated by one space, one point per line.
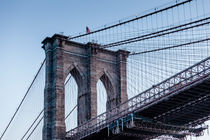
87 63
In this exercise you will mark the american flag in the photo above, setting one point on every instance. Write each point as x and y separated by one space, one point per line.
87 30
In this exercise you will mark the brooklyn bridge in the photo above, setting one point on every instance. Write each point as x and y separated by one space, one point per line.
143 77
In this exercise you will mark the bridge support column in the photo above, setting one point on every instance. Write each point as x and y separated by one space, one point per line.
54 99
122 59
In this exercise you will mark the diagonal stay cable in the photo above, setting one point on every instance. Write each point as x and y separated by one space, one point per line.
67 80
32 124
71 111
22 100
170 47
43 117
35 128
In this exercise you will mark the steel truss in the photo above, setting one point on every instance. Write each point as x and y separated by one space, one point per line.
157 93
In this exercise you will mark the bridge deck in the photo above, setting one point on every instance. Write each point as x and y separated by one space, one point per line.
187 106
174 107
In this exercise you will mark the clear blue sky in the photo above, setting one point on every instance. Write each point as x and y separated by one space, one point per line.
25 23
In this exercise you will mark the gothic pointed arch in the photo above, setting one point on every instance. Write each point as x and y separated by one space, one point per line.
75 71
105 78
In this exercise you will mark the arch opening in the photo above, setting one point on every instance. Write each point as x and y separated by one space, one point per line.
72 85
105 94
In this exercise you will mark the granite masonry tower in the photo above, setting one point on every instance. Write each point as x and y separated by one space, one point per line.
87 63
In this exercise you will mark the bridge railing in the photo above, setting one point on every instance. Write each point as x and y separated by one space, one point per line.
156 93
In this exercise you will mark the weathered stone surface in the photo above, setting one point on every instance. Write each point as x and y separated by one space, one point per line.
87 63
